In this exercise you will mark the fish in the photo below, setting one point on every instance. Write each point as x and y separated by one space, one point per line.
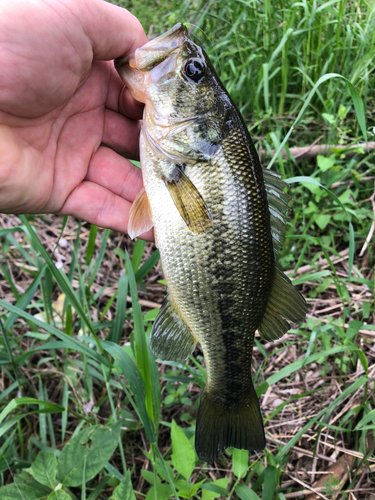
218 219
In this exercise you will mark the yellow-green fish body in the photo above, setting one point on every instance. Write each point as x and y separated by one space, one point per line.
216 226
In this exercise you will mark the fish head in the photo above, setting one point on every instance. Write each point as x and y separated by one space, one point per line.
172 76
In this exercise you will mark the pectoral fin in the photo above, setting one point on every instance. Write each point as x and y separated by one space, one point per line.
140 219
188 201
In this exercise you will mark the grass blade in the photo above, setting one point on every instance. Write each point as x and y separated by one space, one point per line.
118 325
91 243
136 384
140 337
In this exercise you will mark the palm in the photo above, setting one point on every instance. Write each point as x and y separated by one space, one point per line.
61 143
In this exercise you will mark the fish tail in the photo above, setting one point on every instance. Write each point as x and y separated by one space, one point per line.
220 426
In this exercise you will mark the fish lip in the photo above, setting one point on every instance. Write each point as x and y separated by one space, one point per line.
157 50
123 62
165 43
131 77
175 36
145 58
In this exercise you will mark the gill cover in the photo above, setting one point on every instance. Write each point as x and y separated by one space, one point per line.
172 55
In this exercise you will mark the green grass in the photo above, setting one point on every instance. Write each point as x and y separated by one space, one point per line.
270 54
85 410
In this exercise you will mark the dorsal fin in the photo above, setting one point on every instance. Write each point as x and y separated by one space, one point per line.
285 303
277 204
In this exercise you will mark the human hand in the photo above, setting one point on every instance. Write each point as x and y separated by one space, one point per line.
60 101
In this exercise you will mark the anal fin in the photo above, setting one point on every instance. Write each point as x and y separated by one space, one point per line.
285 303
171 339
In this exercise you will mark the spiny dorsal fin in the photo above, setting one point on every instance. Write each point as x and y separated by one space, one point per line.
171 339
188 201
277 204
140 219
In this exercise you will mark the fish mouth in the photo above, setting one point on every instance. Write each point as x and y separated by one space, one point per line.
133 68
131 77
155 51
158 49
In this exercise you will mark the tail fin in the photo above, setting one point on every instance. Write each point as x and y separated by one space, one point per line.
219 427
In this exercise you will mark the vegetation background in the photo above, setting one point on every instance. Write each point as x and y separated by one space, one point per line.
85 410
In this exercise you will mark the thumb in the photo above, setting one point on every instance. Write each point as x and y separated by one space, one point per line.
113 30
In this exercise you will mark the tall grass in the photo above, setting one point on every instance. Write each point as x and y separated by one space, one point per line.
87 412
269 54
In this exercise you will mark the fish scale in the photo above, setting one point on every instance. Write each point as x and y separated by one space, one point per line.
216 223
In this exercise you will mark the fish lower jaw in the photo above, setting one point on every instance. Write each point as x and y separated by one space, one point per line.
132 78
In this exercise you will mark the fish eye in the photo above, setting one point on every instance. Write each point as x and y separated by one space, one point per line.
194 70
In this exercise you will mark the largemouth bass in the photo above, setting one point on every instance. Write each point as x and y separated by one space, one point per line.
218 218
